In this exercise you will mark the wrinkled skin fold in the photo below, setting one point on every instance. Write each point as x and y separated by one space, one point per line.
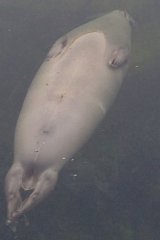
69 96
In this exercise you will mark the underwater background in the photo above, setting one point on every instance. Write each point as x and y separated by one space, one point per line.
111 191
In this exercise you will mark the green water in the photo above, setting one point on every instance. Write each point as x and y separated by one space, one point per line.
112 189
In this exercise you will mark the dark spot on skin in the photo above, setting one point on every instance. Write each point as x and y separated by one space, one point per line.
64 42
60 97
52 54
45 131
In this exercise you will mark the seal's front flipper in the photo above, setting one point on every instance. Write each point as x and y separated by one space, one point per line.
44 186
118 58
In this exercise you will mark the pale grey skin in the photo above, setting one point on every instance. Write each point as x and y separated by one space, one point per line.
67 99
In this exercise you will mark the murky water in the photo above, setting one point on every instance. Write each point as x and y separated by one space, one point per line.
111 191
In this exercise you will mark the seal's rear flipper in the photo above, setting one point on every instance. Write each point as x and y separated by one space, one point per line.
44 186
12 187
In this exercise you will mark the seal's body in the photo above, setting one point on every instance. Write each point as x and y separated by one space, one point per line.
68 97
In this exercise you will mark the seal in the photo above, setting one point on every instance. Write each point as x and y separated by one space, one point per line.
69 96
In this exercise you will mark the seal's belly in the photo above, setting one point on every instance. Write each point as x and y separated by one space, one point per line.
53 133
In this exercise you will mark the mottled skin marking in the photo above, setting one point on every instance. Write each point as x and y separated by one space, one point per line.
45 131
